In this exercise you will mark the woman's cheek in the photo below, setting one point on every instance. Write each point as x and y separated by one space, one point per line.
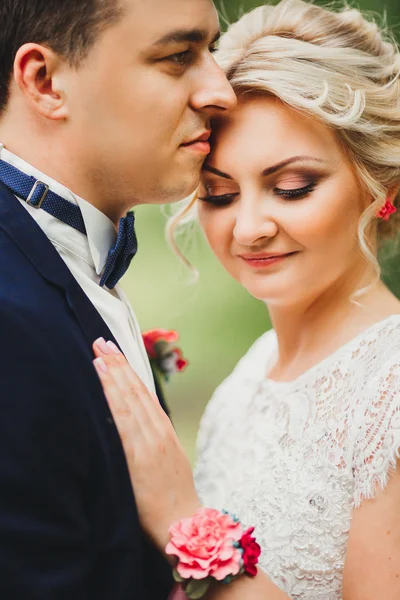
216 228
203 214
314 223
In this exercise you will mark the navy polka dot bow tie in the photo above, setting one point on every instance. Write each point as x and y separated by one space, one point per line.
38 195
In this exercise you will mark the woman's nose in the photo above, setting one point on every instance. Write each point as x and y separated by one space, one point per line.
252 225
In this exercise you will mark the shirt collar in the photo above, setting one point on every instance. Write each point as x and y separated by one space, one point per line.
101 232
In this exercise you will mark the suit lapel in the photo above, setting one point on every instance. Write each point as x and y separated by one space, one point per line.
92 324
16 222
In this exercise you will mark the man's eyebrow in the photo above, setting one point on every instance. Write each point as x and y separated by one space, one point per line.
194 36
211 169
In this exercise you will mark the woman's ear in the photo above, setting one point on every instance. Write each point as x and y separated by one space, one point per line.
38 75
393 192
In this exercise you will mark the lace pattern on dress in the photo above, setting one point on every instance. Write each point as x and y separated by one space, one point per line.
295 458
377 446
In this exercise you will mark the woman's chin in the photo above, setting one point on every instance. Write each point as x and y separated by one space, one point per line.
265 294
264 290
278 294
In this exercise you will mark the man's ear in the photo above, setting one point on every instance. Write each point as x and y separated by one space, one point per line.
38 75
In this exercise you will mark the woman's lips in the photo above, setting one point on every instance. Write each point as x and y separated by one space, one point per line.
259 261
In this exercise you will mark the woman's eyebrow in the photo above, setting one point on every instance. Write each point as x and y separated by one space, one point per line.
268 170
289 161
211 169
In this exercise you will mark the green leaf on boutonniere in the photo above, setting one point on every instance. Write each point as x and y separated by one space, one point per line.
196 588
164 355
177 577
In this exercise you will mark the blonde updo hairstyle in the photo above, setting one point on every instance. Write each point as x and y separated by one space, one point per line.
337 67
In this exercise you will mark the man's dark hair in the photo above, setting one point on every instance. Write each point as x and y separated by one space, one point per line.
69 27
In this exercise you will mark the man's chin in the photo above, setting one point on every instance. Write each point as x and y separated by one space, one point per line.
179 184
181 189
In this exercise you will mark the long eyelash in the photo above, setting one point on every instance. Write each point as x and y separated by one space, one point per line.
296 193
226 199
222 200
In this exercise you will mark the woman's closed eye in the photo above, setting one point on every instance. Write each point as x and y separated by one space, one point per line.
221 200
221 196
295 187
288 187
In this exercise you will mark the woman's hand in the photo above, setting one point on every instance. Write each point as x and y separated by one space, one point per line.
159 469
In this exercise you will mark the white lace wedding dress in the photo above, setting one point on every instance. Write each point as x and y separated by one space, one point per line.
295 458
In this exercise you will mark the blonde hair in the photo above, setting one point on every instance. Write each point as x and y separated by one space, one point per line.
337 67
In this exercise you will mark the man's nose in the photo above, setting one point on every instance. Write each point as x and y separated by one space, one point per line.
214 93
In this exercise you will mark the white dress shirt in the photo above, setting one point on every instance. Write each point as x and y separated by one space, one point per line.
86 256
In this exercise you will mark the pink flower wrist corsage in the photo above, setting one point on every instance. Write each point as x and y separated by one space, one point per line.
209 546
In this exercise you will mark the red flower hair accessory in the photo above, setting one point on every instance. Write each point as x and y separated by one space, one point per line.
386 211
164 355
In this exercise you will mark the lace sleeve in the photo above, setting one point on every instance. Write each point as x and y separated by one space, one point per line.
377 445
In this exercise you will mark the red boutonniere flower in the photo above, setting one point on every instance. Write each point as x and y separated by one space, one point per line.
165 356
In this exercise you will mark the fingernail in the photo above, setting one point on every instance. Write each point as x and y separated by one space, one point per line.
113 347
100 365
101 344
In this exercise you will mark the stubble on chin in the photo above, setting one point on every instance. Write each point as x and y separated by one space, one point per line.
184 187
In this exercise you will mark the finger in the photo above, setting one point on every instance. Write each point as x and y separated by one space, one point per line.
120 409
134 442
132 397
139 444
119 366
100 347
137 385
153 419
129 371
109 351
103 348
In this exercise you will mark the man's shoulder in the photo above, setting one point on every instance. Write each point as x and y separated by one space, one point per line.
28 303
44 358
23 290
15 267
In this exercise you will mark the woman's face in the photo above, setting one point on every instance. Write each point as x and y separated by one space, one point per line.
280 203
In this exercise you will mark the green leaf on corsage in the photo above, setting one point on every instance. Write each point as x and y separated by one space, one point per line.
197 588
177 577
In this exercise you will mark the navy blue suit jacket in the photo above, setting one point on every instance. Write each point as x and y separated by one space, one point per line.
69 528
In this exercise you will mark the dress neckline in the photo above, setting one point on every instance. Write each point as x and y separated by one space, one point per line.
342 349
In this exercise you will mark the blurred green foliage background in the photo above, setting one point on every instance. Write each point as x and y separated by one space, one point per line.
216 318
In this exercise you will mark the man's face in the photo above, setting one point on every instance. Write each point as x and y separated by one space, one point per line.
149 86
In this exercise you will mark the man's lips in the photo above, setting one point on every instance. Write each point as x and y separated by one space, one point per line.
203 137
200 143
